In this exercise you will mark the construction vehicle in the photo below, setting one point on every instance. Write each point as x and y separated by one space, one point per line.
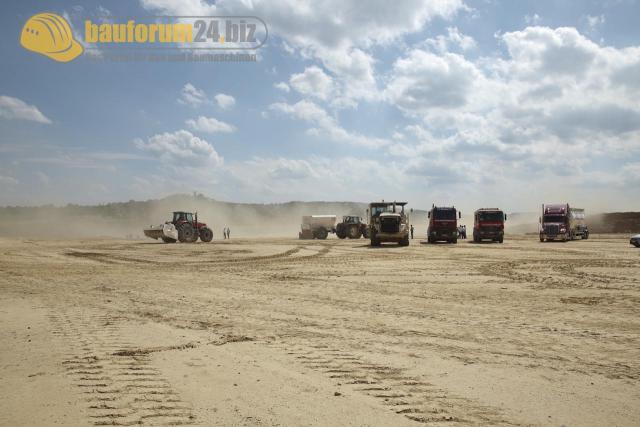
443 224
488 224
317 226
386 224
562 222
184 228
352 227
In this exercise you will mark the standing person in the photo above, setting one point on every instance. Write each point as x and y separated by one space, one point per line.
411 231
224 232
228 233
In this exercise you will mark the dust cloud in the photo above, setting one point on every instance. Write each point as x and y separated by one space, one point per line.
127 219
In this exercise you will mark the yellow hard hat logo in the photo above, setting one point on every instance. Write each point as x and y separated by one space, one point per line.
50 35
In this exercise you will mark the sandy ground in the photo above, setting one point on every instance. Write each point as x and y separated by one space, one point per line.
288 332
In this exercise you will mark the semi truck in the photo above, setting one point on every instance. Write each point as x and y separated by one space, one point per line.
488 224
443 224
562 222
317 226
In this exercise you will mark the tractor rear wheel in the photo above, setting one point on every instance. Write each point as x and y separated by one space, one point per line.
206 235
186 233
354 232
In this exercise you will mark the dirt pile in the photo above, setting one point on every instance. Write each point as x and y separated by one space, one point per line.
617 222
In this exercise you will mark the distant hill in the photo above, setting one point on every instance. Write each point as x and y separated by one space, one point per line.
124 219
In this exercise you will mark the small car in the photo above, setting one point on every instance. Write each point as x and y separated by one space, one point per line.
635 240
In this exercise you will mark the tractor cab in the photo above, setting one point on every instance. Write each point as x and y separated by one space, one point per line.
351 219
179 217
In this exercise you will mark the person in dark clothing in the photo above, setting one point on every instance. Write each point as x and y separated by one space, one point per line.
412 231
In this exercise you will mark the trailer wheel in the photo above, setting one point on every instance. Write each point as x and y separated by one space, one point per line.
322 233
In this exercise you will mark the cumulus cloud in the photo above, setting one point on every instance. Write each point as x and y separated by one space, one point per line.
425 80
282 86
453 40
192 96
209 125
16 109
324 124
339 43
539 51
225 101
313 82
181 148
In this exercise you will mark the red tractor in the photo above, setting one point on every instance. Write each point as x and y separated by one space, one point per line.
189 229
183 227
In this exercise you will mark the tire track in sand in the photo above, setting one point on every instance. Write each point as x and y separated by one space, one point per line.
411 397
121 388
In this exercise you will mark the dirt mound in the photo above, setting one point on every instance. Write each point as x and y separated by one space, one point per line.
617 222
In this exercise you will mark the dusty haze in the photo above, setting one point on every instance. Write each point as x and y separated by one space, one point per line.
127 219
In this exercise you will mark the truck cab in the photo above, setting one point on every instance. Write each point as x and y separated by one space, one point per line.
443 224
488 224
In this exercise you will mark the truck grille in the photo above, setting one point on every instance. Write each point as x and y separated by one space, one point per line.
552 229
489 228
390 225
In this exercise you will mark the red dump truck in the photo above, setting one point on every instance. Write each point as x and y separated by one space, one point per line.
488 224
562 222
443 224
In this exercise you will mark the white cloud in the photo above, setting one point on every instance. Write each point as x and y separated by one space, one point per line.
8 180
181 148
534 19
595 22
209 125
192 96
453 40
282 86
313 82
340 42
324 124
181 7
539 51
424 80
16 109
225 101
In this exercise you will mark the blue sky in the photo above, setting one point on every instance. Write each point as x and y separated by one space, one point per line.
475 103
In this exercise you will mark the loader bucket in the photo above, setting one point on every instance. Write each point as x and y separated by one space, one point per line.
166 232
